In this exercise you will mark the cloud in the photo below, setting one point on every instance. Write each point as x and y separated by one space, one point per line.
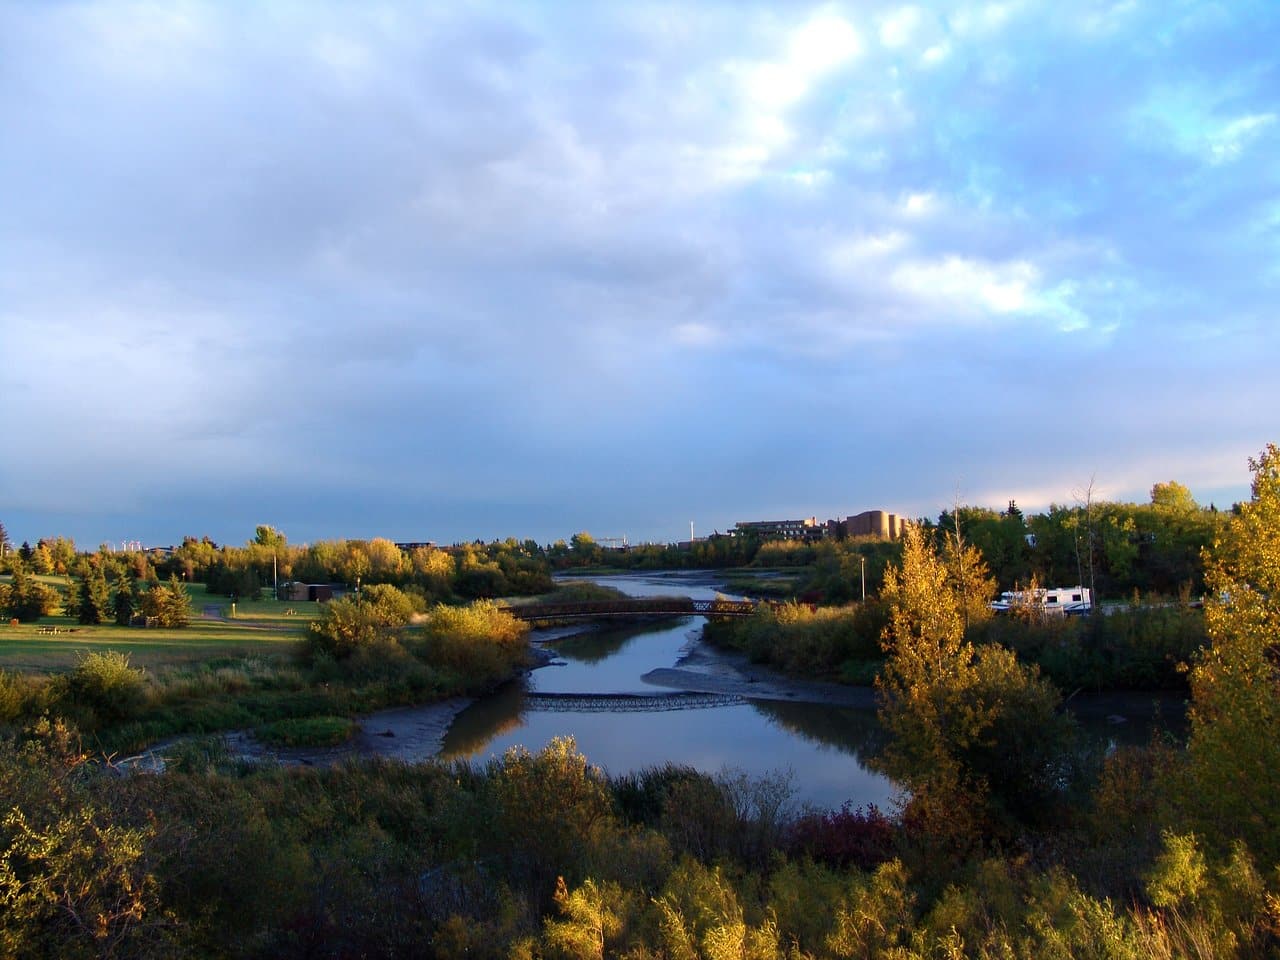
453 260
957 285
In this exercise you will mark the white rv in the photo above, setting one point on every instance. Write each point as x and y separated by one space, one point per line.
1053 600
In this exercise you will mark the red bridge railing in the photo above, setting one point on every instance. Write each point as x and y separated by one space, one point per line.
642 607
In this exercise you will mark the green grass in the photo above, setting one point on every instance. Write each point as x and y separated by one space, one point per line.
308 731
23 648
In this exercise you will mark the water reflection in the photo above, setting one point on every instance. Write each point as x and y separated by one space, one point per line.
614 659
756 737
855 731
488 719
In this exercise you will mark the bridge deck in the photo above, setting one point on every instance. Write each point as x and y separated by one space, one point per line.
638 607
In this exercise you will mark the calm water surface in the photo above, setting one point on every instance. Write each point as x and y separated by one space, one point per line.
819 747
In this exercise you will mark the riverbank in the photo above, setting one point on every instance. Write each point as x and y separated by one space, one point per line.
708 669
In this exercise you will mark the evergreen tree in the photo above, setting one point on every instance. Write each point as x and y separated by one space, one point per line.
24 597
124 599
177 606
94 598
71 599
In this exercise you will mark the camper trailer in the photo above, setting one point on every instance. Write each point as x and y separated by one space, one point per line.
1067 601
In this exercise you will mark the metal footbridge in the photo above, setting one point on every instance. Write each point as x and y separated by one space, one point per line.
636 607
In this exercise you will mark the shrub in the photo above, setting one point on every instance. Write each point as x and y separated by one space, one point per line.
844 838
308 731
479 644
582 591
106 685
800 639
345 626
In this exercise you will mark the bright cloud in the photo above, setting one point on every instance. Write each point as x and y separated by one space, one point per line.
966 286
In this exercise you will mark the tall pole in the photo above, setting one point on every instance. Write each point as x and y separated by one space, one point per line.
690 532
864 577
275 576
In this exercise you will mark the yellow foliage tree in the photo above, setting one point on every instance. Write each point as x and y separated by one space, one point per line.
1234 747
974 735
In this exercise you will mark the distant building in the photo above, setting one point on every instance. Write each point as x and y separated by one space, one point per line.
876 523
408 547
807 529
320 592
870 523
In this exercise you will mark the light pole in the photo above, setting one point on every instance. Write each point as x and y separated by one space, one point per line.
863 561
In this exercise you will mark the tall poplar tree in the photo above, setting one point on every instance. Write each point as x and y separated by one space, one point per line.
1234 747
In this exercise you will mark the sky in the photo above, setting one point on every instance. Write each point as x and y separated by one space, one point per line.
436 271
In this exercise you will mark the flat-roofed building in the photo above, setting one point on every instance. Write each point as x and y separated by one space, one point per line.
806 529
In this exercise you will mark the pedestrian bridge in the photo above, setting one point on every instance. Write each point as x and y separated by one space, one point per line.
636 607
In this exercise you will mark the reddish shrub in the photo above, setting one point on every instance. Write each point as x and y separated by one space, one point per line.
846 837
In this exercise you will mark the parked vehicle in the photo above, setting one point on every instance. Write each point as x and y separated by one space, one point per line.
1064 601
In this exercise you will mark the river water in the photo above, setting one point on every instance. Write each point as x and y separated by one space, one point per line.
818 747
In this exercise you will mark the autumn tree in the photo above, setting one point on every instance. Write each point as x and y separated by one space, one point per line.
1234 753
24 597
168 604
975 736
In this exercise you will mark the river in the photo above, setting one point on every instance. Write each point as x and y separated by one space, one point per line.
817 746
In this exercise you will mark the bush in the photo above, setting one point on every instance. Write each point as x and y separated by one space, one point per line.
105 684
816 642
582 591
308 731
844 838
479 644
346 626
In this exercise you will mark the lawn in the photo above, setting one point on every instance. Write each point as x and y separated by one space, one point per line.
24 649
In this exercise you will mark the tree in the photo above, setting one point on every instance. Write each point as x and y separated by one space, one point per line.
123 599
586 551
95 598
1174 497
266 536
25 598
168 605
1233 750
42 559
974 735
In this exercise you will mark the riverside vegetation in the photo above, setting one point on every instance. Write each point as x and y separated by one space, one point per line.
1014 839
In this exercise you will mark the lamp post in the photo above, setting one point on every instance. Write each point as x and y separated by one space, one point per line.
863 561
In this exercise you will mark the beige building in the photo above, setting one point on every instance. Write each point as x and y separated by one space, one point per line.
876 523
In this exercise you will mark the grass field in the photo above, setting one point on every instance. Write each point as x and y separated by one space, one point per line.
259 627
